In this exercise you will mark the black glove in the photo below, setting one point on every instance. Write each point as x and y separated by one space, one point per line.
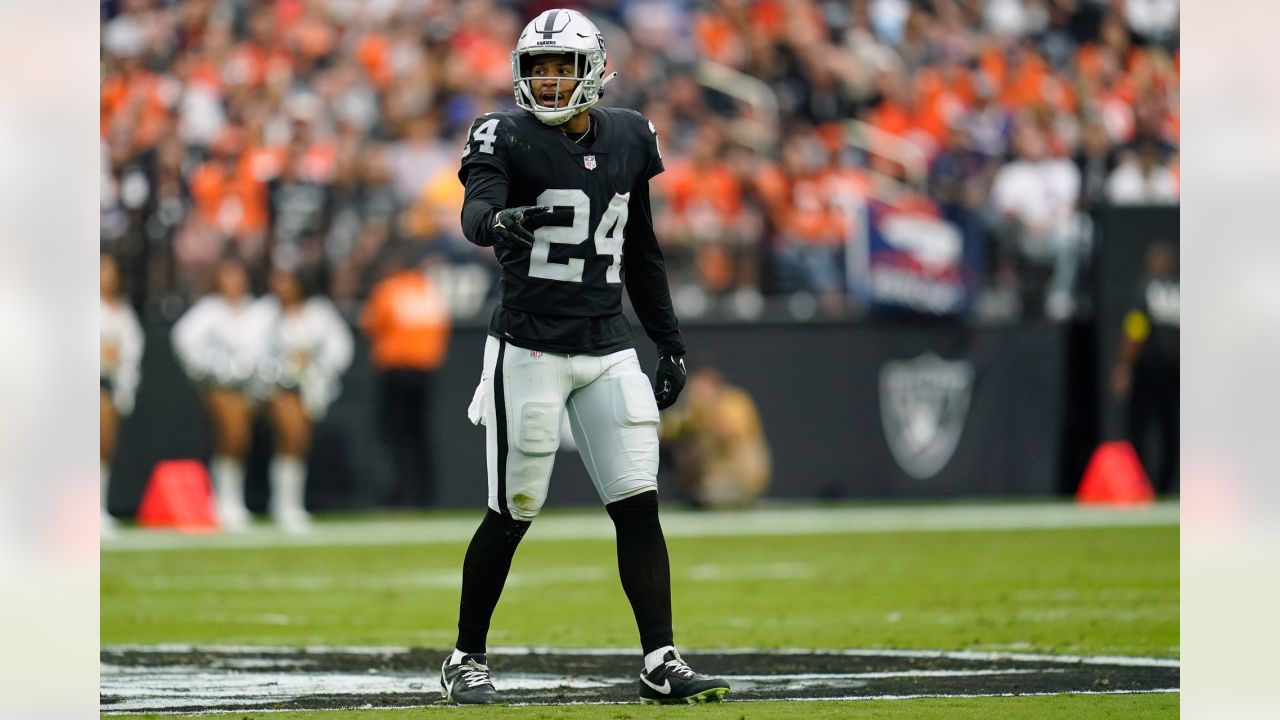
512 228
668 380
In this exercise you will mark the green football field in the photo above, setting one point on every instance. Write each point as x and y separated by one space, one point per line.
1013 579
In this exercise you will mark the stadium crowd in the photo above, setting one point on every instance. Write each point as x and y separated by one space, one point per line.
327 134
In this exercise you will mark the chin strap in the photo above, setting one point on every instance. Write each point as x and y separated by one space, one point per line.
611 76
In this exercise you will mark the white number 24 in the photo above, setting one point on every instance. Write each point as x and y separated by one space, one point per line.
609 236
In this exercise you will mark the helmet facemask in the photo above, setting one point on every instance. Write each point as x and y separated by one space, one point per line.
588 74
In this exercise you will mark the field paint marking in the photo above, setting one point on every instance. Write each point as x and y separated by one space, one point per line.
850 698
858 698
1123 660
887 675
770 520
143 687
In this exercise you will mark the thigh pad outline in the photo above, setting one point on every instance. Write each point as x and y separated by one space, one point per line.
538 428
634 403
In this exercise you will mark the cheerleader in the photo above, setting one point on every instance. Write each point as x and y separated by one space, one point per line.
120 358
218 341
308 347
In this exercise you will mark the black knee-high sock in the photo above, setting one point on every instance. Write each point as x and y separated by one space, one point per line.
644 567
484 572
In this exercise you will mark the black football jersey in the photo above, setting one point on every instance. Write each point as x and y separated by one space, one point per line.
576 267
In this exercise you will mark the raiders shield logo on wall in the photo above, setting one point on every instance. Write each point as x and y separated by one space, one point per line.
923 406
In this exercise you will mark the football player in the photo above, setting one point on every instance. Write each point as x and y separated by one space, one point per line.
560 189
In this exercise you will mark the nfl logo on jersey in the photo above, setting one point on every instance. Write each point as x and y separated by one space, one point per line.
589 161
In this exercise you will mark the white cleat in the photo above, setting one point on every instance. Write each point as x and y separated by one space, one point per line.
233 517
294 522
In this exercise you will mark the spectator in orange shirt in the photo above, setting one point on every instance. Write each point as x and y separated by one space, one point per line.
810 206
706 210
408 321
228 198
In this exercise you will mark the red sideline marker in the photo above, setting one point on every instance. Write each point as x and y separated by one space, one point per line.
178 496
1115 477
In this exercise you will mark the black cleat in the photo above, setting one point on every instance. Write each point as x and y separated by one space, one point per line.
675 683
468 682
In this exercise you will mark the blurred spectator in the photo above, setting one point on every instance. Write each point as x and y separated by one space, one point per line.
1142 178
812 209
230 198
300 203
1154 20
218 341
960 181
717 443
364 222
306 348
988 123
1095 161
420 156
120 342
1035 197
1147 370
706 218
408 322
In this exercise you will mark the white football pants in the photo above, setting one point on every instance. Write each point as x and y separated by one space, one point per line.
612 413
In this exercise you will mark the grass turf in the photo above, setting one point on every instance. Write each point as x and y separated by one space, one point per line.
1052 707
1095 591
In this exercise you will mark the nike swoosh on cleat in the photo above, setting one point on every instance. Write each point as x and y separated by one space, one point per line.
664 688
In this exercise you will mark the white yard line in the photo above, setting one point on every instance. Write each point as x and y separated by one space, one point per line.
595 525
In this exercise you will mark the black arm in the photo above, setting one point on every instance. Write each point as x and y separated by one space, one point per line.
646 276
486 194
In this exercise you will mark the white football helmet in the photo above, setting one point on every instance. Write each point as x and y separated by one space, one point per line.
560 31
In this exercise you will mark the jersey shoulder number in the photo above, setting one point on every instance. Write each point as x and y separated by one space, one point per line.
488 142
484 133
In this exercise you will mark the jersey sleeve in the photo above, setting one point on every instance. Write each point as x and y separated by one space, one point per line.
654 166
646 277
488 145
485 175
